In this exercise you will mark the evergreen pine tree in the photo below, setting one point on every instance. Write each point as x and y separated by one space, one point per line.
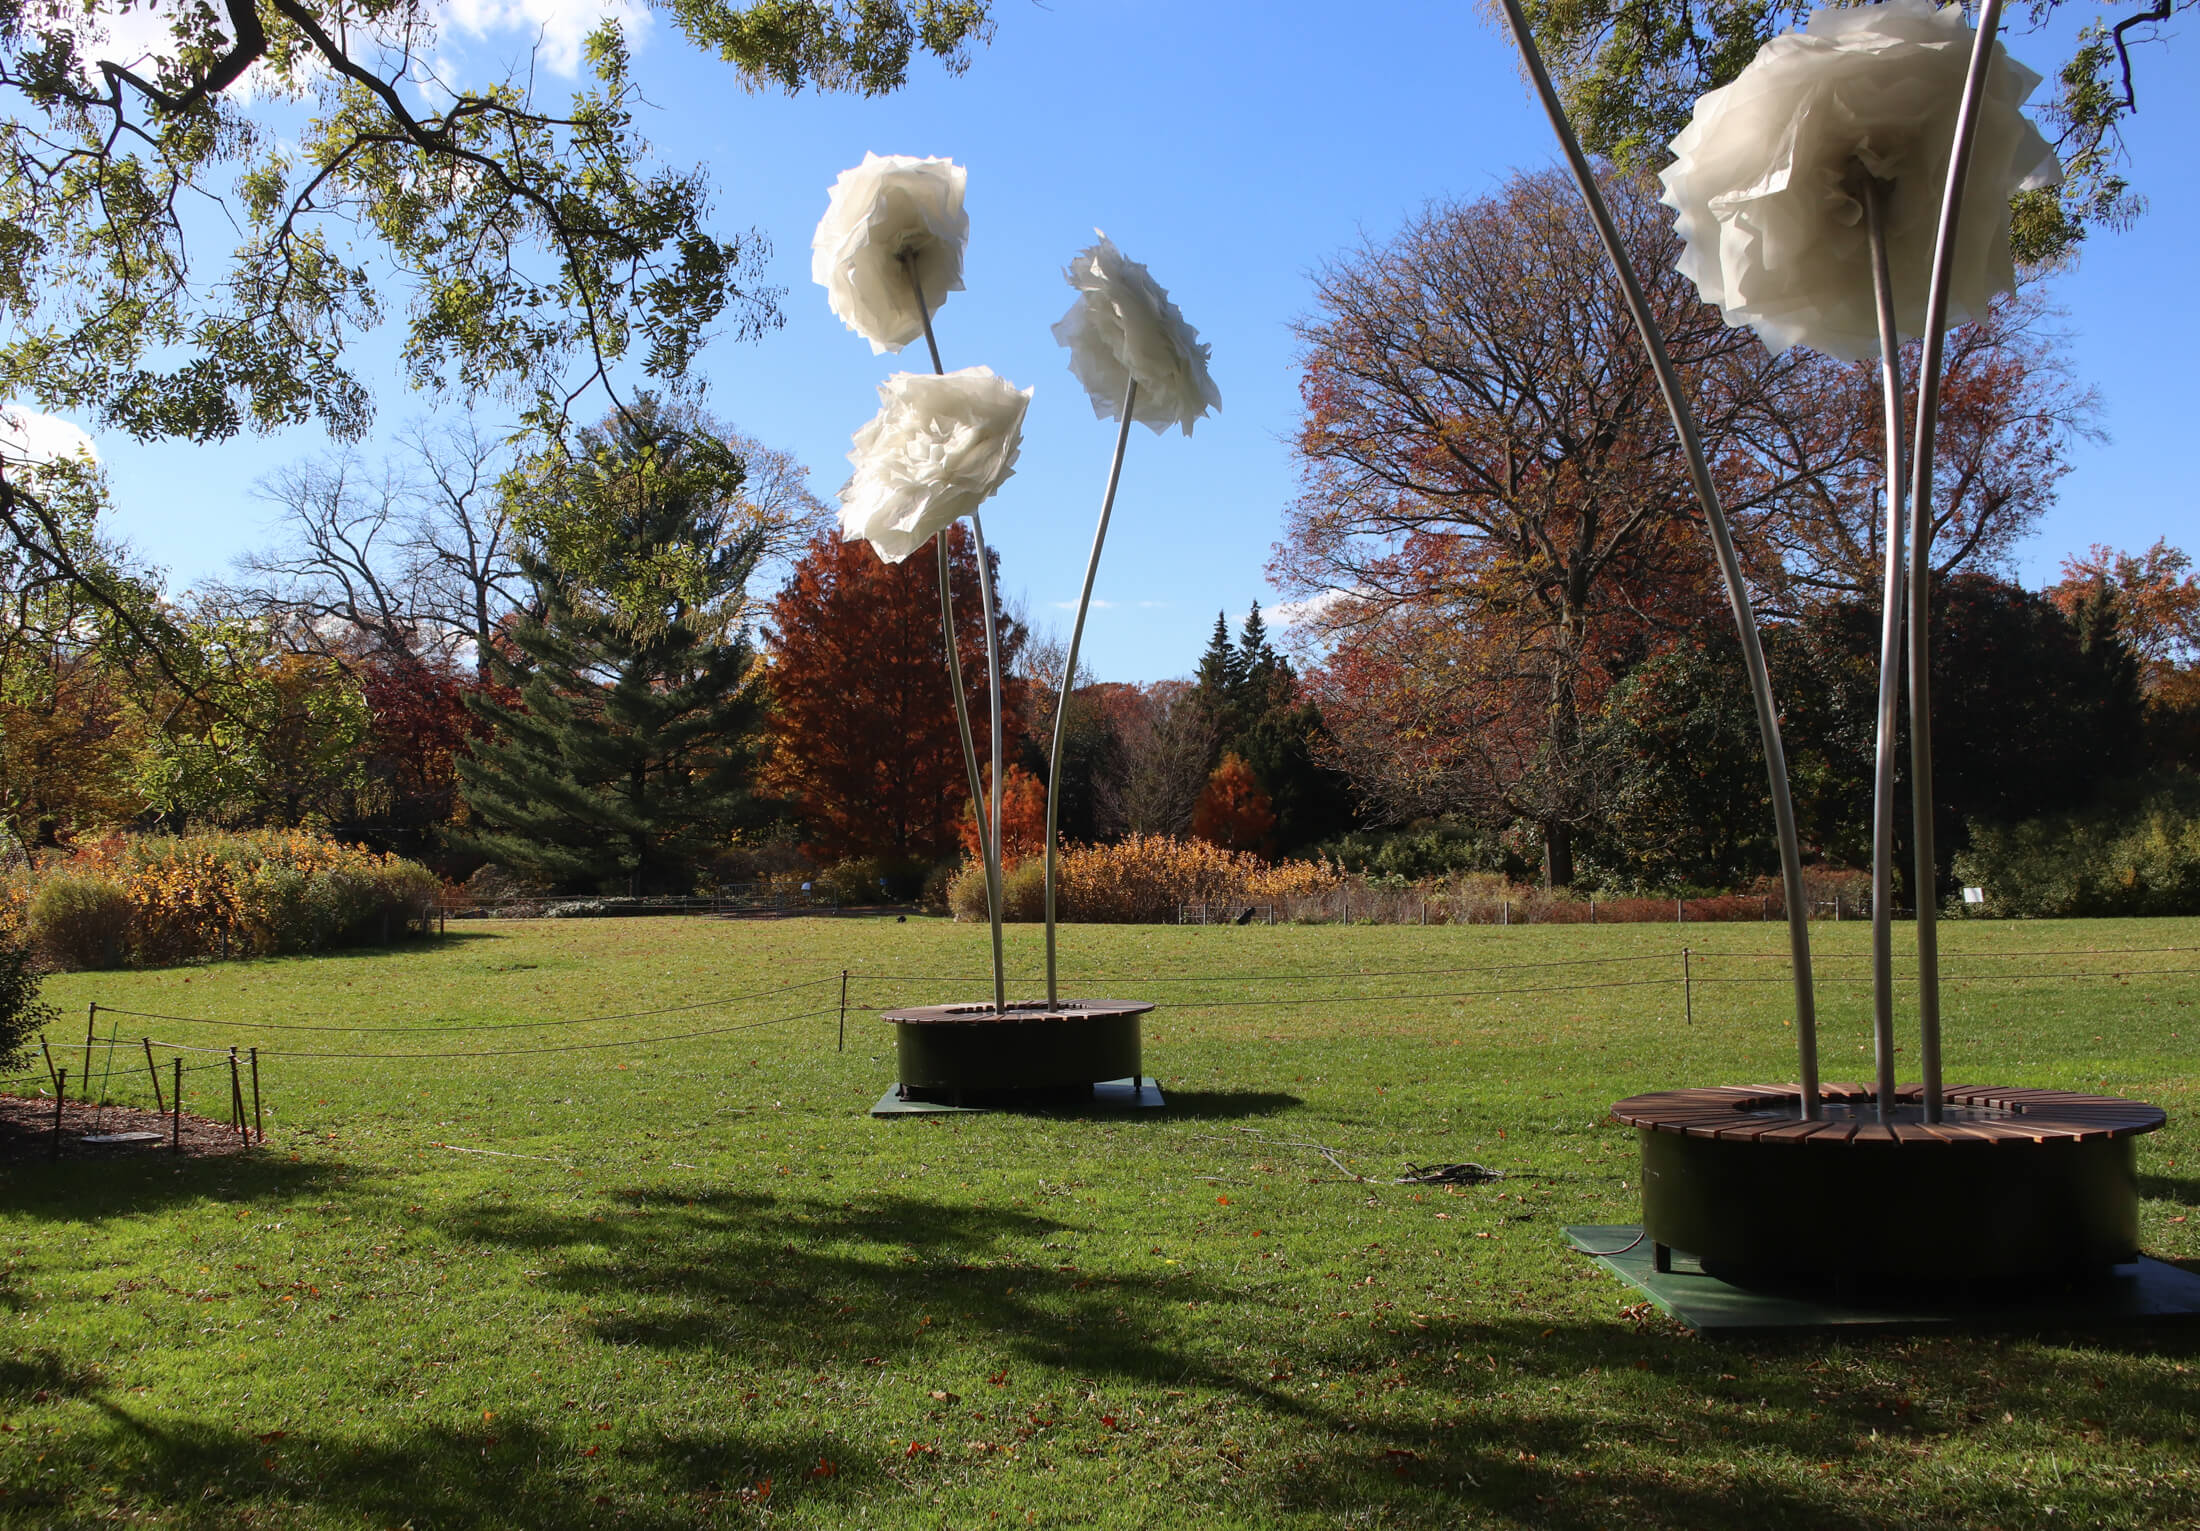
626 755
1220 670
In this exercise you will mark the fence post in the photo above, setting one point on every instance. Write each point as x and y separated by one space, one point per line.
236 1093
91 1024
151 1068
175 1104
1680 911
1592 908
257 1127
60 1088
1688 987
50 1074
843 1045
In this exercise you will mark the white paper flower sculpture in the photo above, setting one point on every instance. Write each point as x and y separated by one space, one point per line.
939 448
1762 177
1123 327
889 207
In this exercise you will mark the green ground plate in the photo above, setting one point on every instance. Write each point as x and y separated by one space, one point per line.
1111 1095
2143 1293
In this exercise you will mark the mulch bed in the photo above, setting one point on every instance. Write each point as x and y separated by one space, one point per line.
26 1131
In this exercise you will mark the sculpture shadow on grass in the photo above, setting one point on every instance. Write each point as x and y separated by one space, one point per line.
2183 1191
1424 1419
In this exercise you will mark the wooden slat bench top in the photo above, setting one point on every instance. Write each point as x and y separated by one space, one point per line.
1977 1115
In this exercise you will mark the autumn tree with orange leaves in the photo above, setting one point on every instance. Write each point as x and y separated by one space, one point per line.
863 742
1496 517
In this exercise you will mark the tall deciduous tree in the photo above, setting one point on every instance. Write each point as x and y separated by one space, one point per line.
2009 409
1495 508
628 754
864 746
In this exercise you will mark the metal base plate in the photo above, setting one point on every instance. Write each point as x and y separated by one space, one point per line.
1110 1095
2145 1292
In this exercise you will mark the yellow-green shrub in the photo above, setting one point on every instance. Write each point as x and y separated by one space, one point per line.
80 921
262 893
1023 892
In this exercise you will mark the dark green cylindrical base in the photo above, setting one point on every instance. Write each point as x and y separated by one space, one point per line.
1893 1212
951 1052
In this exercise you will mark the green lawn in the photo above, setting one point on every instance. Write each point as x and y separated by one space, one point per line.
693 1283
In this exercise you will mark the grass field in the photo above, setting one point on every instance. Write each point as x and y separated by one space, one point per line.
691 1282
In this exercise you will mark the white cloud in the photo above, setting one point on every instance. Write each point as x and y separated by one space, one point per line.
1097 605
26 436
1309 613
561 25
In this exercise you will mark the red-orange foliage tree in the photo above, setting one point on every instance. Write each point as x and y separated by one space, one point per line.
1023 816
1233 812
863 744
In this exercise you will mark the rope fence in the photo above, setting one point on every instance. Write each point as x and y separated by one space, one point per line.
860 991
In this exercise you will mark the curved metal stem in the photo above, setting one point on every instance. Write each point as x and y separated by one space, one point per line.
1722 541
987 837
1926 878
989 828
1069 668
1874 196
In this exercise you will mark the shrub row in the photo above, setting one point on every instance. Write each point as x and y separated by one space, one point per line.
2138 854
151 900
1140 880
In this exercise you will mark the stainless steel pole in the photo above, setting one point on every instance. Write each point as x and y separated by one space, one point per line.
955 682
1874 196
990 828
1069 668
1722 542
1921 563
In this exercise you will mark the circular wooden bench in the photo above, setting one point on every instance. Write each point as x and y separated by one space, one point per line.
2012 1184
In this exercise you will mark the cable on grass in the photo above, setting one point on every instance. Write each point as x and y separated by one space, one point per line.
1606 1254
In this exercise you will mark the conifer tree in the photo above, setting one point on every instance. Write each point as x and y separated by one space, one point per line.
625 755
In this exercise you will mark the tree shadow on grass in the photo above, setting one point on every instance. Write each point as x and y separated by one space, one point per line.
509 1471
84 1190
885 1304
1443 1419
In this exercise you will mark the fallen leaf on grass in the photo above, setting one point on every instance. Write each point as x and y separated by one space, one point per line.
824 1468
920 1449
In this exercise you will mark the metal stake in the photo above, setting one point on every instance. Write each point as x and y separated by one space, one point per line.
48 1051
843 1043
175 1104
1688 987
60 1089
236 1094
91 1023
159 1105
259 1129
1874 197
986 838
1722 541
1069 669
1921 543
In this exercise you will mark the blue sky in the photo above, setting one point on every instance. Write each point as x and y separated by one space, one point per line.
1231 147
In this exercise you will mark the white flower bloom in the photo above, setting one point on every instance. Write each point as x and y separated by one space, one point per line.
939 448
1763 176
1123 326
888 207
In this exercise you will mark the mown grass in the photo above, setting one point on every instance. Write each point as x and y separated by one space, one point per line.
693 1283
